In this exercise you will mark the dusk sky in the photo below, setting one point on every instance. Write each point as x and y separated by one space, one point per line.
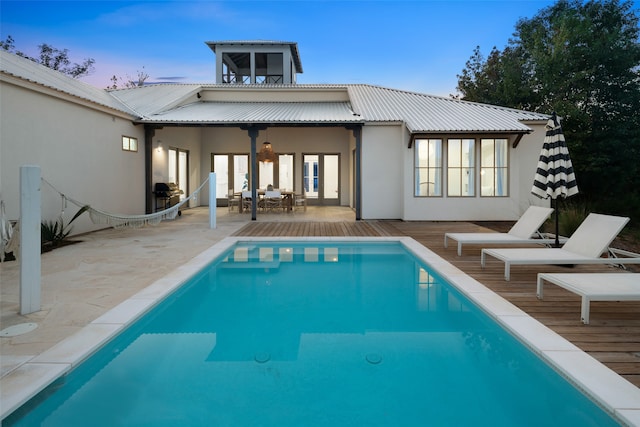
412 45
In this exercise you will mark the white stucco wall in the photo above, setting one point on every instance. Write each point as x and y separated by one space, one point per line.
388 179
188 139
383 171
79 151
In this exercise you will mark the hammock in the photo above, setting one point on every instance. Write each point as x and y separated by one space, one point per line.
131 221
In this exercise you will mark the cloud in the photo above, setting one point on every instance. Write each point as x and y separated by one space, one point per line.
171 78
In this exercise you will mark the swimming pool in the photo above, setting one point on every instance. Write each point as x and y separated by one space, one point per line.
269 344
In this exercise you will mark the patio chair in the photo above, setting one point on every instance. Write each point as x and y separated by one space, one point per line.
594 287
585 246
233 202
521 232
246 201
300 201
272 200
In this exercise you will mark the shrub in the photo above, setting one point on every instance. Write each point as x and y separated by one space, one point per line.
53 233
570 217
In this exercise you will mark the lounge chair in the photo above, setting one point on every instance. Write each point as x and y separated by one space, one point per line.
595 287
521 232
585 246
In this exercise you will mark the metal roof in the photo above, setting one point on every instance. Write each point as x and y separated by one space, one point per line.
368 104
31 71
341 104
427 113
152 99
291 113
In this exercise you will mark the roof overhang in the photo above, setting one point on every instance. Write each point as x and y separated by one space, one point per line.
242 113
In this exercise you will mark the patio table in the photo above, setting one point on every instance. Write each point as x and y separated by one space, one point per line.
288 198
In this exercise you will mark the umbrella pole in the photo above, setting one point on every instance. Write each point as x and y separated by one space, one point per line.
557 225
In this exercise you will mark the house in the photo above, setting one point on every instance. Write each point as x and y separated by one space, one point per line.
387 153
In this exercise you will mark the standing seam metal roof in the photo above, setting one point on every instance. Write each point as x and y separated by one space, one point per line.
152 99
31 71
258 112
368 104
421 113
427 113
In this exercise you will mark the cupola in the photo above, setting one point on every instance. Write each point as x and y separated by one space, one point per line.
256 62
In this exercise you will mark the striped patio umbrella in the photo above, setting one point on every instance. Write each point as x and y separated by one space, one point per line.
554 177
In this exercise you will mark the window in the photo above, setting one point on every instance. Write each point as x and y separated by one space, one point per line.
221 168
285 171
268 68
178 162
232 173
236 67
278 174
265 174
493 167
129 143
461 167
463 173
310 175
428 167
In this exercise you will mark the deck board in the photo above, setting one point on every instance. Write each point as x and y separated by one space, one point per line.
612 337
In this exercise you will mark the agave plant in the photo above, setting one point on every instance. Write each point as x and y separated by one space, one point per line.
53 233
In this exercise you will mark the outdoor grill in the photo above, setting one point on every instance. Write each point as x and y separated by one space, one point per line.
167 195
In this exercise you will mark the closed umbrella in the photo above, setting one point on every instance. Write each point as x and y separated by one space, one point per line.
554 177
6 232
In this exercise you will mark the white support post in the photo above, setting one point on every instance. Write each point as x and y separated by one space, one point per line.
212 200
30 218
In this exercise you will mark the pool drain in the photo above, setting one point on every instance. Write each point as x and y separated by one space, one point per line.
373 358
262 357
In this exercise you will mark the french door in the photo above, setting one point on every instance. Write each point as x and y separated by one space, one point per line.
178 162
232 175
279 174
321 178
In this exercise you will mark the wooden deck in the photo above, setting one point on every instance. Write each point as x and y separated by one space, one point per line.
612 337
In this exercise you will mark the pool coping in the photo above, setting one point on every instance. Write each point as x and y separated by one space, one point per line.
614 393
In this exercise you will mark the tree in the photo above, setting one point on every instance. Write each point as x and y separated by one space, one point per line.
582 60
53 58
119 82
498 78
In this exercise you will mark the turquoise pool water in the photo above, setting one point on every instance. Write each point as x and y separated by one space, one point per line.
307 334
